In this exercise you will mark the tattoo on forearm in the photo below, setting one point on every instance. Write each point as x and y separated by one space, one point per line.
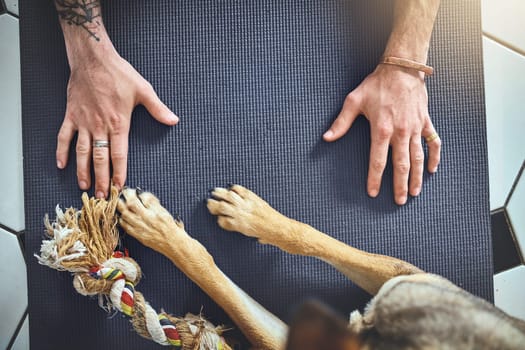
80 13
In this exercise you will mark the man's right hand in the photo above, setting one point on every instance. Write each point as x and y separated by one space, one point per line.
103 89
102 92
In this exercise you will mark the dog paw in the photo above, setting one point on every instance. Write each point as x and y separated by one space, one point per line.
239 209
143 217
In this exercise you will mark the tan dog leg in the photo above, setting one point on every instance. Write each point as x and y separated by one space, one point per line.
143 217
239 209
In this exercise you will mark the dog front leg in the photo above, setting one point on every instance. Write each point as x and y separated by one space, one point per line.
239 209
143 217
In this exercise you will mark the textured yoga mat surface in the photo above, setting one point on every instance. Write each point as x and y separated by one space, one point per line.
256 84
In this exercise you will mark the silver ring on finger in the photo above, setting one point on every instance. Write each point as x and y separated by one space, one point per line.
101 143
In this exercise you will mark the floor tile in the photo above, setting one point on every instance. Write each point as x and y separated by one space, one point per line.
12 6
504 247
508 291
22 340
13 291
500 21
504 91
11 176
516 211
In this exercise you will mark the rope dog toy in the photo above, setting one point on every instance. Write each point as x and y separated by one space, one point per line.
83 242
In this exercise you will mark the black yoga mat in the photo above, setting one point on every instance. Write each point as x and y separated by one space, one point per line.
256 83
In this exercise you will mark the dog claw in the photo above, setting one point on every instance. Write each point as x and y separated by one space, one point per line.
177 217
139 190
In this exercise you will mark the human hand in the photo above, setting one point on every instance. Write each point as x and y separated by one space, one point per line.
102 92
395 101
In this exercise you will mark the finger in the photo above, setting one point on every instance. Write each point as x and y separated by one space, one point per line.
119 158
83 150
156 108
65 135
101 167
401 162
343 122
434 147
417 160
380 140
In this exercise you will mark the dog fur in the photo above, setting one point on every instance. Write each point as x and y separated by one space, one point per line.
411 309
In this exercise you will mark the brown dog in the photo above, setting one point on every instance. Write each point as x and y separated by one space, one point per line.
411 309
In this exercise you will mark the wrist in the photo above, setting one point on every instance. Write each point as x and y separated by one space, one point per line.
399 72
81 53
410 50
407 63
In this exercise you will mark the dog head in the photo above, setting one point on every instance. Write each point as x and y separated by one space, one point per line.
315 327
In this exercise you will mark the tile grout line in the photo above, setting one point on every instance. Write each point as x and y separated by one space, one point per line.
514 184
17 330
513 236
506 44
6 10
22 246
497 210
10 230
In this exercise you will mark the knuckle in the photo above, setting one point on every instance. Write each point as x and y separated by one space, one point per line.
146 87
63 137
402 167
82 174
99 156
118 155
99 125
115 122
350 98
384 131
82 148
403 131
418 158
377 165
118 179
437 143
401 190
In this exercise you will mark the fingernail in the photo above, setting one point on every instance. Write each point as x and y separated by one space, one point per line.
100 194
83 185
328 134
174 118
401 200
417 191
59 164
373 193
434 170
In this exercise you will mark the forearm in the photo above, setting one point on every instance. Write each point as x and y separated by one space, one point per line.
412 28
84 32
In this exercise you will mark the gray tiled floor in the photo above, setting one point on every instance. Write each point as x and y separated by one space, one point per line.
504 45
